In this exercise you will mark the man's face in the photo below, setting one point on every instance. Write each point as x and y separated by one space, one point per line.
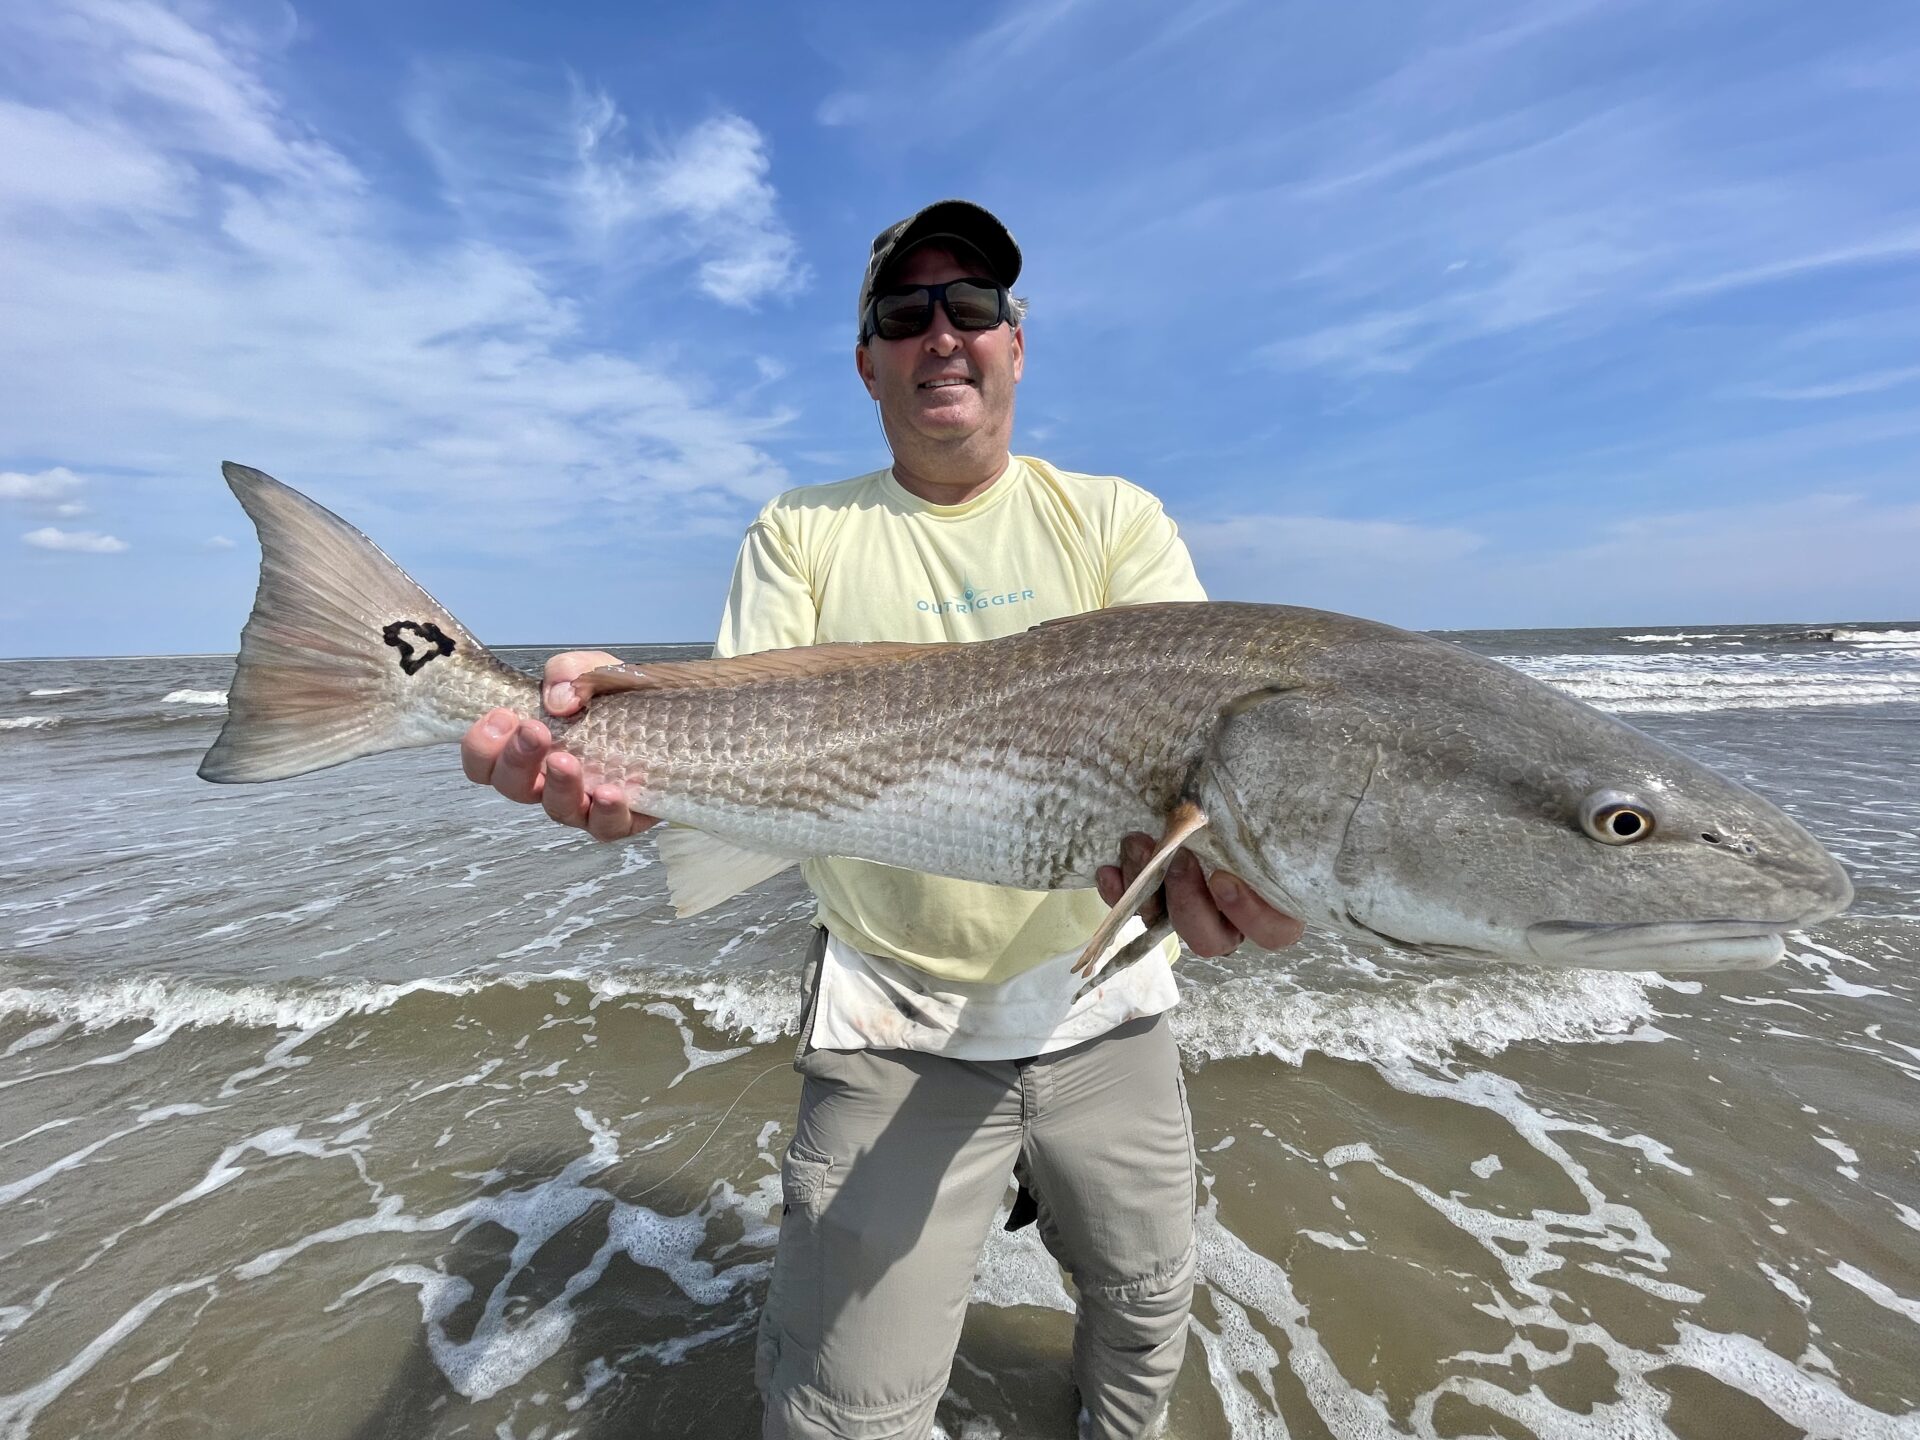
945 384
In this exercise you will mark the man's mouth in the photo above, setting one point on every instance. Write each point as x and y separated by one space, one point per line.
942 382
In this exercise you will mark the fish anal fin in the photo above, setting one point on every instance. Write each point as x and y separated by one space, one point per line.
703 870
800 663
1183 823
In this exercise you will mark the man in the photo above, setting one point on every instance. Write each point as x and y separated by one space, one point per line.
943 1040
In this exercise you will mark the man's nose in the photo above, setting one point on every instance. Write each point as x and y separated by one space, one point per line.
941 338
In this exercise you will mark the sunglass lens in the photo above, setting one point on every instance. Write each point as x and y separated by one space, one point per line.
895 317
972 305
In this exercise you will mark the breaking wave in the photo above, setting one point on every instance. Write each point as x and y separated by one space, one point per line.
1682 635
1679 684
195 697
1414 1018
1357 1016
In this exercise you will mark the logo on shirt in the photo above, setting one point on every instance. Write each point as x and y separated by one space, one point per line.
972 598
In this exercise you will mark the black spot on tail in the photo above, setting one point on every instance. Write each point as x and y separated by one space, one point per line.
436 643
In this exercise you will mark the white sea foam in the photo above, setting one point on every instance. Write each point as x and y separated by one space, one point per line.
27 1184
697 1058
1410 1018
1015 1269
1681 684
170 1005
508 1341
760 1008
1532 1249
195 697
64 690
1355 1013
28 722
1876 1291
1679 635
18 1411
1852 636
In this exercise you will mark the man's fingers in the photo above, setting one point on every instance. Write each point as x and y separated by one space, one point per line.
1267 927
1110 883
564 795
1196 918
517 774
608 818
480 747
556 691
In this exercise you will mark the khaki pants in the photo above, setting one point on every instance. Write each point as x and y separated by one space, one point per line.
898 1163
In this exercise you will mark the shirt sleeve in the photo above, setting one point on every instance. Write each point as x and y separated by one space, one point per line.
1150 561
770 604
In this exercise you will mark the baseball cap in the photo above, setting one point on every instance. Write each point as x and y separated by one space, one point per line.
974 226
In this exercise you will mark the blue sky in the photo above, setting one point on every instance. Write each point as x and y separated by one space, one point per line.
1505 314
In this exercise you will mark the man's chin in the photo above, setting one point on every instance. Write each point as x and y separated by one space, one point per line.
948 422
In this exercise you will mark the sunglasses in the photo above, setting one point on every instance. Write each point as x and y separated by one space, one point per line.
970 305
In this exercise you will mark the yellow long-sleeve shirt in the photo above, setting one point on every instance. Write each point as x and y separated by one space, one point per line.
864 559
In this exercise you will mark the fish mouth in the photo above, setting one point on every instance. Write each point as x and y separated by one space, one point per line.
1661 945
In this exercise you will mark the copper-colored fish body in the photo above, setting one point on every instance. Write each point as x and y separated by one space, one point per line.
1389 785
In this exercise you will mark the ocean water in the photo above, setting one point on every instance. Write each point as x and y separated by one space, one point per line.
367 1104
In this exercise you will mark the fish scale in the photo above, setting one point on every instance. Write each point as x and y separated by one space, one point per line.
1015 784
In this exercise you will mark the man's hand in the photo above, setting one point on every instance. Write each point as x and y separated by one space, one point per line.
1211 913
516 757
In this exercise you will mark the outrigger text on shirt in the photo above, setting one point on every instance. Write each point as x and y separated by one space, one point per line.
972 601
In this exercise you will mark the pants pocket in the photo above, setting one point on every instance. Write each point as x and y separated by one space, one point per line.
794 1307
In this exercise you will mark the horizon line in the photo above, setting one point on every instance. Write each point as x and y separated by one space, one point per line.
556 648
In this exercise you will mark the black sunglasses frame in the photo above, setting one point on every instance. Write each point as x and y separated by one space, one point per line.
937 295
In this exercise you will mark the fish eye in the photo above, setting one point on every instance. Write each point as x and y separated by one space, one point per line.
1613 818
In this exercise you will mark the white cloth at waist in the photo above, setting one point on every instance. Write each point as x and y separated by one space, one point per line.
871 1002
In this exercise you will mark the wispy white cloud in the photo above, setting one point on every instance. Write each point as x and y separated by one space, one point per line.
1870 383
843 107
45 486
51 162
217 542
547 157
89 542
1900 243
979 67
714 181
144 59
1521 174
252 296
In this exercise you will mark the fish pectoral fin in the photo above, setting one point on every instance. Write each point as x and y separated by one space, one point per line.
703 870
800 663
1187 820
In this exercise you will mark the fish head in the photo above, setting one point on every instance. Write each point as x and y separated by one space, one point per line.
1464 809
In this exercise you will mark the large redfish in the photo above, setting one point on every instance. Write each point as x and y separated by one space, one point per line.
1381 783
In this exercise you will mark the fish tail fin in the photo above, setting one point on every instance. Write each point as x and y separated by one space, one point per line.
344 655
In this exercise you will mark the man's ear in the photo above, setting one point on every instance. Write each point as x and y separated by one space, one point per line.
1019 352
864 364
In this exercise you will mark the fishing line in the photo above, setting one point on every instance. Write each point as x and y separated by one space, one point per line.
784 1065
